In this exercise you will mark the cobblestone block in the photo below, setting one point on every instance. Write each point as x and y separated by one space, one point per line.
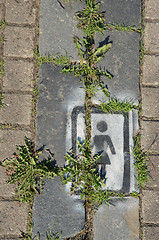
13 218
151 39
150 206
17 109
9 139
21 11
153 166
150 233
1 10
150 103
6 189
18 75
149 135
151 70
151 9
19 42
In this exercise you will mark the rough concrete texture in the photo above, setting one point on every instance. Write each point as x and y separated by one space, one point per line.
151 9
150 103
55 205
149 135
153 167
19 42
6 190
151 40
150 206
117 221
18 75
150 74
17 109
150 233
21 12
9 139
13 218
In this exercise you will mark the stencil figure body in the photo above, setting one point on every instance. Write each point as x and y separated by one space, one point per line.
101 144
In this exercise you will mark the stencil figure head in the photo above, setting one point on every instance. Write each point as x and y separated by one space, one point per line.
102 126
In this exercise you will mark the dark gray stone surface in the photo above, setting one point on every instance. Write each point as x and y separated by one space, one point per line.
58 23
57 93
127 12
54 206
117 221
122 61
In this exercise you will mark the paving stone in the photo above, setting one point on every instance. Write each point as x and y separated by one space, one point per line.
19 42
151 40
149 135
6 189
117 61
150 206
117 221
150 73
122 12
153 166
54 16
13 218
18 75
151 9
56 205
17 109
150 233
150 104
9 139
23 11
1 10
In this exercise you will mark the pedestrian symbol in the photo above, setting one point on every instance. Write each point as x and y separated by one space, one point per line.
101 144
111 137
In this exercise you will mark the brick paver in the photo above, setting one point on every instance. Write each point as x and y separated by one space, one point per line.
16 120
18 75
150 125
19 42
150 232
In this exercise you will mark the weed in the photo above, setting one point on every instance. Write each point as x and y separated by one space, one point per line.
116 105
50 235
3 23
7 126
26 172
1 98
122 27
57 58
140 162
2 68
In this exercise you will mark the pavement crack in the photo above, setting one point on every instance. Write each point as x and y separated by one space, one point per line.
60 4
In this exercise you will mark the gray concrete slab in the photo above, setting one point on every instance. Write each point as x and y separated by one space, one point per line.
117 221
60 15
122 61
55 205
127 12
